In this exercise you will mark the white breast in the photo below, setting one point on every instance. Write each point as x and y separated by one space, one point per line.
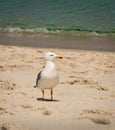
49 78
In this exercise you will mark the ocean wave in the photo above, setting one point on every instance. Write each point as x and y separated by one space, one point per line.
79 31
17 29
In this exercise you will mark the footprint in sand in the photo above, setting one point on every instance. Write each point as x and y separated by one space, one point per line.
90 83
7 85
10 126
4 111
46 112
100 121
97 116
43 110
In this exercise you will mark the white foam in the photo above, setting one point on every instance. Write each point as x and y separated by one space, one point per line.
12 29
34 30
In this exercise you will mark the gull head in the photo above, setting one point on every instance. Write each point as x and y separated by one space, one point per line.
50 56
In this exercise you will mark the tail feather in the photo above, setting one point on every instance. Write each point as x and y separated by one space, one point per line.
35 86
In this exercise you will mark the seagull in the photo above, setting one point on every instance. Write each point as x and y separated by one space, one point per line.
48 78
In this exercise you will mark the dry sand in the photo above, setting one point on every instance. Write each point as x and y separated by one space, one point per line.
84 98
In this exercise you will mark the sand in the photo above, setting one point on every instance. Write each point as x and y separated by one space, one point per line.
83 100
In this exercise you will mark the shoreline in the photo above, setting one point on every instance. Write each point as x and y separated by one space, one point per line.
58 41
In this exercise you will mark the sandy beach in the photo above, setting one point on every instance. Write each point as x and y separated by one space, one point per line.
83 100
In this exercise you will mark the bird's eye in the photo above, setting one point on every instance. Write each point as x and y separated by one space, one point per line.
51 55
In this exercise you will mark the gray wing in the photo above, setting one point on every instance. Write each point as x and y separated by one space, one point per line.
38 78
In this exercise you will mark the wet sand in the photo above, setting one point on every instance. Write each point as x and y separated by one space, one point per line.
84 98
65 41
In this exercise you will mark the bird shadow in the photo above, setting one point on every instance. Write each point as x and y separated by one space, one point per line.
47 100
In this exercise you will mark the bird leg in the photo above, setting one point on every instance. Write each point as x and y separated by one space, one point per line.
51 94
43 94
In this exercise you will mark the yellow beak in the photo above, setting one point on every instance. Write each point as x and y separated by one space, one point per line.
60 57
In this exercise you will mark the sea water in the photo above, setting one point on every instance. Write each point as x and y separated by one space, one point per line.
78 17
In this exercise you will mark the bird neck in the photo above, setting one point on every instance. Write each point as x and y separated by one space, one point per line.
50 65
